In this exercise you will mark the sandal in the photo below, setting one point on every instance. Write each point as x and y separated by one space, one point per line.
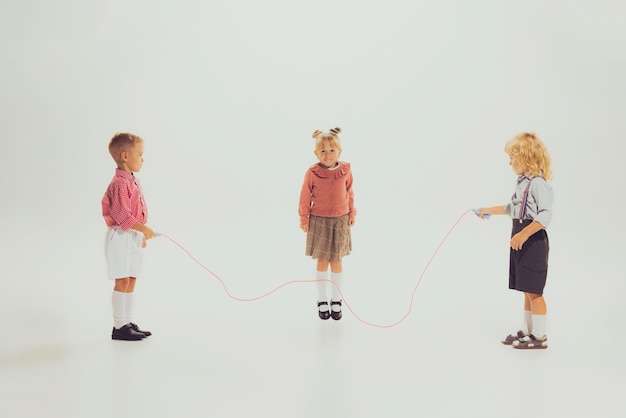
509 339
530 342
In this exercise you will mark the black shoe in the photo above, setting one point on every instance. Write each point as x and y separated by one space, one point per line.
336 315
126 333
136 328
323 314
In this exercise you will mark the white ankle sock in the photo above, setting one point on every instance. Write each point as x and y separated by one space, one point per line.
322 287
128 307
118 300
539 326
336 278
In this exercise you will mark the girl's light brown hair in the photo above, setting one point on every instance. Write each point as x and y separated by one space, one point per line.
331 137
530 151
122 141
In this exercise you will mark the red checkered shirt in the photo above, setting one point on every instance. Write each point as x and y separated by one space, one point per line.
123 204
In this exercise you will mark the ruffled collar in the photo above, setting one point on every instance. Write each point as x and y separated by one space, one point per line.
322 172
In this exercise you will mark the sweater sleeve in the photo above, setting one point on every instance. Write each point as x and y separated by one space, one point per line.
350 196
304 207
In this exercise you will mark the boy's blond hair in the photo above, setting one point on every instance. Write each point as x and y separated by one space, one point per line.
122 141
331 137
529 150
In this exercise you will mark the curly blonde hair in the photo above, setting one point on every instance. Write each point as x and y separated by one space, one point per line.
331 137
530 151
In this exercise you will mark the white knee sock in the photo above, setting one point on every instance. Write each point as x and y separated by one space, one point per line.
336 278
119 308
539 326
128 307
322 287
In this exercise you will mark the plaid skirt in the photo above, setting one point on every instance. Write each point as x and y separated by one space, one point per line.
328 238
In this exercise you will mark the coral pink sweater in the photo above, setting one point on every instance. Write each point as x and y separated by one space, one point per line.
327 193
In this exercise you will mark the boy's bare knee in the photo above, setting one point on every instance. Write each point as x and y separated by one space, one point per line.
122 285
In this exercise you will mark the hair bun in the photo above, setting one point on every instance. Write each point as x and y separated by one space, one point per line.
316 133
335 131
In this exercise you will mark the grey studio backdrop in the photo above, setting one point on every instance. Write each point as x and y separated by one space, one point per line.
226 96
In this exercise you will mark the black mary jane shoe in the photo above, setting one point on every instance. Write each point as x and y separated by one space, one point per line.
323 314
336 315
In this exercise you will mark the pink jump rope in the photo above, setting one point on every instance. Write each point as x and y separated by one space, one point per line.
398 322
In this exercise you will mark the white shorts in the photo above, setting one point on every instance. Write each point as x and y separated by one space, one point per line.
123 253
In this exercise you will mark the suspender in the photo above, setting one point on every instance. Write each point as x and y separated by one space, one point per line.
522 211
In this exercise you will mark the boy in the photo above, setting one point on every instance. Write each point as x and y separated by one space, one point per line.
125 213
530 208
